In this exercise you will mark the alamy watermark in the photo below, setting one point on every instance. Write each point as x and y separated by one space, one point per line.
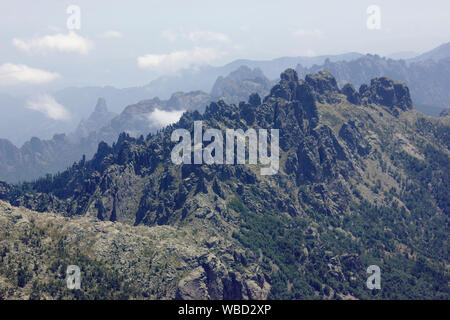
213 153
374 19
374 281
74 19
73 279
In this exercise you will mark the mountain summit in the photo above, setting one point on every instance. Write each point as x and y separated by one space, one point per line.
98 119
101 106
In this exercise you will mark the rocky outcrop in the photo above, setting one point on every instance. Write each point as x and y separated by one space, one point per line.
322 82
212 280
321 158
40 157
254 99
350 132
383 91
351 94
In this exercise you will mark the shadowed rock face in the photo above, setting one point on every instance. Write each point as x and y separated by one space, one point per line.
351 94
350 132
323 82
345 195
254 99
383 91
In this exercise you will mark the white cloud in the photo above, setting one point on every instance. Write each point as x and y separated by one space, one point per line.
161 118
13 74
307 33
111 34
66 43
176 60
47 105
196 36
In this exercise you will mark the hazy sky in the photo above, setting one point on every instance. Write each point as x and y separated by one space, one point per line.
128 43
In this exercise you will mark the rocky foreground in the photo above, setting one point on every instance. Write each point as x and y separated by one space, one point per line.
119 261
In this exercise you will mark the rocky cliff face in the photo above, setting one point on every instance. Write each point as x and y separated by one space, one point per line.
358 184
381 91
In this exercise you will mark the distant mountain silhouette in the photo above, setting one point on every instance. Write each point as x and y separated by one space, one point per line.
439 53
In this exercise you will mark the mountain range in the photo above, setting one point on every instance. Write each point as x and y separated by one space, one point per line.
427 79
363 180
426 75
39 157
78 101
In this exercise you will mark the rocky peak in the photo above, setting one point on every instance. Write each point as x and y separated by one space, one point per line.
386 92
352 95
321 87
290 75
101 106
98 118
322 82
287 87
254 99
